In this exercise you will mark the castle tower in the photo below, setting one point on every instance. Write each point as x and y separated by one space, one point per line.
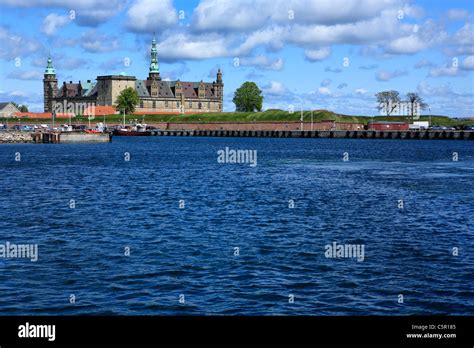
154 73
219 86
201 90
50 86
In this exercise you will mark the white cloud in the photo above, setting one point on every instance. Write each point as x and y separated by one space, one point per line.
16 46
407 45
52 22
21 94
215 15
384 75
464 35
378 29
115 64
468 63
182 46
318 54
62 62
447 70
324 91
272 37
274 23
456 14
94 41
25 75
444 91
360 91
85 12
274 88
423 63
418 38
262 62
151 15
244 15
464 39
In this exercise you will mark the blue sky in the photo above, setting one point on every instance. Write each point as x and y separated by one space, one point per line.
320 54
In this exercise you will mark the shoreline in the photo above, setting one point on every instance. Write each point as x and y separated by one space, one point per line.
16 137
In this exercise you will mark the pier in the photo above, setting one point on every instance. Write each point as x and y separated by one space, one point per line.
70 137
349 134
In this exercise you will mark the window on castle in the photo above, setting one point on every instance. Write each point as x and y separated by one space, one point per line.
154 104
200 105
141 104
166 104
191 105
178 104
208 105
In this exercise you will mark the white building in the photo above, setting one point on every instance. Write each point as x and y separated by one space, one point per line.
8 109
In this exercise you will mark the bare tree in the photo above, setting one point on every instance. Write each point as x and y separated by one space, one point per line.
388 101
415 104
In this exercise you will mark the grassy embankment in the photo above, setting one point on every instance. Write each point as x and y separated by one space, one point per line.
266 116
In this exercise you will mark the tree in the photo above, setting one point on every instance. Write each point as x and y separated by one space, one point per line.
127 100
388 101
248 98
415 104
22 108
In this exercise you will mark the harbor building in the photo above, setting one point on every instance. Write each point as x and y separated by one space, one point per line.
8 109
156 95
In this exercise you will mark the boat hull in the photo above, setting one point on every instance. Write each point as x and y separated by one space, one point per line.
130 133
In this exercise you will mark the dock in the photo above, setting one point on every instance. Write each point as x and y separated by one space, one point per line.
70 137
353 134
82 137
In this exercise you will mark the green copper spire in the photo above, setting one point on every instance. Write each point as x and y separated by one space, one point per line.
154 68
49 68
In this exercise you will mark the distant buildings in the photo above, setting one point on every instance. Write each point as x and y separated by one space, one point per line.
155 94
8 109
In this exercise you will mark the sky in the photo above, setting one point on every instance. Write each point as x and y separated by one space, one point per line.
310 54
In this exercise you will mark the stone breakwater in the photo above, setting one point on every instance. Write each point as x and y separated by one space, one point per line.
7 137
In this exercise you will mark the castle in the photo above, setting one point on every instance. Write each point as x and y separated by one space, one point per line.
155 94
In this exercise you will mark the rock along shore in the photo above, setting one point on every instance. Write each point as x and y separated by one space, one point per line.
8 137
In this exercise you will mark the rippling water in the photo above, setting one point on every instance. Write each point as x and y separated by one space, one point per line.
190 251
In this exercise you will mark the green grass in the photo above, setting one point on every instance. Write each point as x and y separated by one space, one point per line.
265 116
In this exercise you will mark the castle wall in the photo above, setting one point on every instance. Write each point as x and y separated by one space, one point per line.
175 105
109 88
